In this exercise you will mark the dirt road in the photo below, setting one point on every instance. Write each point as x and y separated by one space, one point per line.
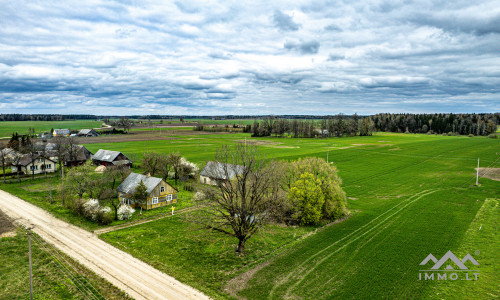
138 279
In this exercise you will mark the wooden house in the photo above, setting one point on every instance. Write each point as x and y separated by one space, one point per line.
61 132
109 158
160 193
37 163
88 133
217 171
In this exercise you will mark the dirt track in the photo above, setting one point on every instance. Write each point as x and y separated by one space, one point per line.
138 279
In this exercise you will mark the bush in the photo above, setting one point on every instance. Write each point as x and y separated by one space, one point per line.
91 209
450 133
188 187
125 212
470 135
199 196
78 206
104 216
493 136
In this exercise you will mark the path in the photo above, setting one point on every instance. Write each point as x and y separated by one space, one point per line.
142 221
138 279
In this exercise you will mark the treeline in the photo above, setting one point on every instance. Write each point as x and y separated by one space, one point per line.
338 126
342 125
462 124
39 117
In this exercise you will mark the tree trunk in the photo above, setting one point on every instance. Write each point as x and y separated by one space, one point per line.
3 167
241 246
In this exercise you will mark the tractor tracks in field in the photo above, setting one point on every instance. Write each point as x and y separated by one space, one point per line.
302 270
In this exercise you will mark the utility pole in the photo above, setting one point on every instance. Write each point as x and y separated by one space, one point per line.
327 153
477 173
31 269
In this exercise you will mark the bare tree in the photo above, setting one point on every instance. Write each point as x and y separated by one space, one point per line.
60 149
16 161
246 193
4 159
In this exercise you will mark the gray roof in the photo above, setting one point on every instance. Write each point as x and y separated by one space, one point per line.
218 170
105 155
62 131
132 181
87 132
28 159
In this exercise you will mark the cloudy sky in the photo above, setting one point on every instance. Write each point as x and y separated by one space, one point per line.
249 57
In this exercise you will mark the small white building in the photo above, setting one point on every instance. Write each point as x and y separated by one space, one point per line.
37 163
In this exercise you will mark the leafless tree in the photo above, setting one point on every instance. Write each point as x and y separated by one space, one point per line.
60 149
246 193
4 159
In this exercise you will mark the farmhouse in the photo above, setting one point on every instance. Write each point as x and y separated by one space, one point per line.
217 171
38 163
159 192
88 133
110 158
61 132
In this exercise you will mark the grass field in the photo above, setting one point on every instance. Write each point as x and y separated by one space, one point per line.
21 127
55 275
412 195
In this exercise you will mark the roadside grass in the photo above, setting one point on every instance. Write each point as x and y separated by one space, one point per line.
201 258
481 241
55 275
21 127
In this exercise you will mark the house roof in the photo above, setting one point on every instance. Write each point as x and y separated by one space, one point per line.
27 159
87 131
61 131
132 181
105 155
217 170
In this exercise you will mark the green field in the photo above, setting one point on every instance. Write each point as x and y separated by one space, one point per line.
21 127
55 275
411 195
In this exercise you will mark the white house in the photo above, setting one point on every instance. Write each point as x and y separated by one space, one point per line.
37 163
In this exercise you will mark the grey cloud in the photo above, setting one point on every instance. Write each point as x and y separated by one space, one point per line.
309 47
284 22
460 23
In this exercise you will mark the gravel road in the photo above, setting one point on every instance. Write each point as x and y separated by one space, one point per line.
138 279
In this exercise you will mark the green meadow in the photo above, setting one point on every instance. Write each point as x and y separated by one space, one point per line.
21 127
410 195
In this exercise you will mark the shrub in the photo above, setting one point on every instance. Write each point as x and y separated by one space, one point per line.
199 196
450 133
188 187
493 136
78 206
91 209
470 135
125 212
104 215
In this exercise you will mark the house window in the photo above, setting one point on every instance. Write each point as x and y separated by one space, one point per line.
205 180
48 166
40 160
155 200
33 168
169 197
162 189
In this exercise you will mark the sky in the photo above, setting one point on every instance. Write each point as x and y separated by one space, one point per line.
249 57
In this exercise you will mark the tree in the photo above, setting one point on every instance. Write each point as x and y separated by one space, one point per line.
4 159
140 194
116 174
243 204
307 196
335 203
152 163
174 160
60 149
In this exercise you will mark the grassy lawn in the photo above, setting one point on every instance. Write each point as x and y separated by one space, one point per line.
55 275
21 127
203 259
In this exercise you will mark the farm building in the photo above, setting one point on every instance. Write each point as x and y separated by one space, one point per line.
76 155
61 132
38 163
159 192
87 133
217 171
110 158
